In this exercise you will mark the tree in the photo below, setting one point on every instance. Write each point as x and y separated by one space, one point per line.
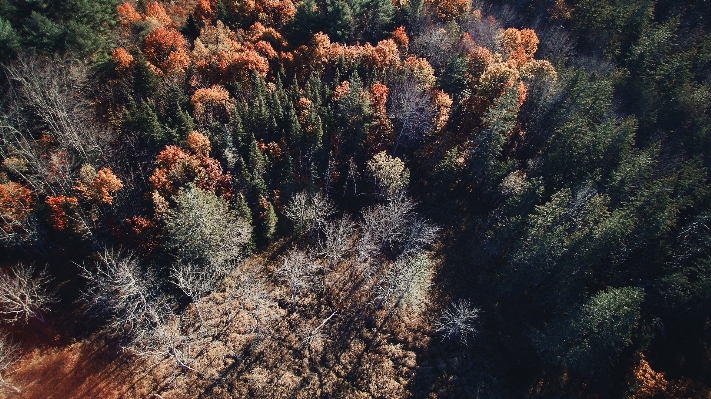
8 356
590 340
337 239
644 382
55 96
308 211
61 27
135 310
458 322
411 109
166 49
203 229
197 281
123 296
97 187
298 272
390 175
405 283
23 295
384 226
16 221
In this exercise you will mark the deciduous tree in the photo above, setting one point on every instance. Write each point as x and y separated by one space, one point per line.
23 294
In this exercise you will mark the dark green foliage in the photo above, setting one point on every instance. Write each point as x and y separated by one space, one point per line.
267 225
9 40
452 78
141 119
176 119
592 337
145 82
78 26
486 168
344 20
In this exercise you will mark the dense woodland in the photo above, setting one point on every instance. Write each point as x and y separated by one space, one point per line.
355 198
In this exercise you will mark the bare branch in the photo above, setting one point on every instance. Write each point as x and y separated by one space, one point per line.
23 296
298 271
407 282
458 322
337 237
308 211
118 292
8 357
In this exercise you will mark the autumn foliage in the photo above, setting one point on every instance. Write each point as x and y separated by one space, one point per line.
177 167
448 10
98 187
16 203
645 382
167 49
61 207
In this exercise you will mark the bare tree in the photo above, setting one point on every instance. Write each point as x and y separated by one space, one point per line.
311 334
436 44
384 225
406 282
458 322
169 339
51 92
298 271
8 357
197 281
23 295
118 292
308 211
421 234
336 241
253 296
410 107
135 310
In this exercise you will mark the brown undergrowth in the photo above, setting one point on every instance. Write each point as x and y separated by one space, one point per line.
253 342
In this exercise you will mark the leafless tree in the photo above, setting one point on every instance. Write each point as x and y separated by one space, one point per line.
169 339
308 211
406 282
52 89
23 295
458 322
421 233
252 296
384 225
298 270
310 333
410 107
197 281
436 44
25 158
336 241
136 310
8 357
118 292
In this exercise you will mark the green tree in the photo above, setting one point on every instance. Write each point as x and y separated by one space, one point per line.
590 340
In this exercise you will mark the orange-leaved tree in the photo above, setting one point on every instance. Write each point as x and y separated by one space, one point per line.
166 49
97 187
177 167
645 382
16 203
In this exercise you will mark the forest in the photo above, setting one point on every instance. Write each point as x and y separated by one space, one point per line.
355 199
